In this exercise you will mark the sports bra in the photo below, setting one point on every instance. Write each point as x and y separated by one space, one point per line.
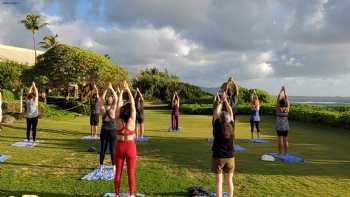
127 133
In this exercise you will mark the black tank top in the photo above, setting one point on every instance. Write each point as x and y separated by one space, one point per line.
223 139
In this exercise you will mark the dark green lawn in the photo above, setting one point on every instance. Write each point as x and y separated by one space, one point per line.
172 162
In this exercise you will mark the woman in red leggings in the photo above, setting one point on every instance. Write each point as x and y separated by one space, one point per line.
126 147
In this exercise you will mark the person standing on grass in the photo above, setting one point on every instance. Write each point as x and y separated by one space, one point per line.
126 146
223 161
94 111
140 126
175 112
282 125
255 114
32 108
107 135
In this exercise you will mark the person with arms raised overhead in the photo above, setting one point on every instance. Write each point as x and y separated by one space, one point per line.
94 111
282 125
223 161
255 114
175 112
126 146
32 109
107 137
140 127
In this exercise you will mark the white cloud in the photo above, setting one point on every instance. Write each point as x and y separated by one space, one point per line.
204 41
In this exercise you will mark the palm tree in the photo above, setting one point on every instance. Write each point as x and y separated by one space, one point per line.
32 23
49 42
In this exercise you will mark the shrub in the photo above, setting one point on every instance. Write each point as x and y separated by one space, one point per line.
299 112
10 74
8 95
161 85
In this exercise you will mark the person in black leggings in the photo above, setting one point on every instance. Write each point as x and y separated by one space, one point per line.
32 109
108 129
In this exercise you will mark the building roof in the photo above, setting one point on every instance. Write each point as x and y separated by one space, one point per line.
17 54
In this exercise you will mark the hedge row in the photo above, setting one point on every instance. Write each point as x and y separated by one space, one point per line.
336 116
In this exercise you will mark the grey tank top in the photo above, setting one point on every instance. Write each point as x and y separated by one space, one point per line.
32 109
282 121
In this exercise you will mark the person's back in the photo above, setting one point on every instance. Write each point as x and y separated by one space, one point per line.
223 139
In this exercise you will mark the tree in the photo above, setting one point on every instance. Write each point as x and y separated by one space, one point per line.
49 41
62 66
10 74
162 85
32 23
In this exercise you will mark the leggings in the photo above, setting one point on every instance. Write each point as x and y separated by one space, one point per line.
32 123
174 121
107 138
125 150
256 123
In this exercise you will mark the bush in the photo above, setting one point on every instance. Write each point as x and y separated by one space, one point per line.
10 74
8 95
161 85
299 112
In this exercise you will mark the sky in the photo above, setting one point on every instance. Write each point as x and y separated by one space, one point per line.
265 44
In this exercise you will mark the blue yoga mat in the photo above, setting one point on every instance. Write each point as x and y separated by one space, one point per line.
289 158
224 194
143 139
27 144
175 130
259 140
4 157
121 195
106 174
239 148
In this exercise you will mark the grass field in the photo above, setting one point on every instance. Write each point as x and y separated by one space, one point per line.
172 162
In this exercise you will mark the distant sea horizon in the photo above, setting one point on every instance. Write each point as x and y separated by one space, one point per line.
315 100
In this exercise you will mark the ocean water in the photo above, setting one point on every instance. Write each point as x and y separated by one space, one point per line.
320 100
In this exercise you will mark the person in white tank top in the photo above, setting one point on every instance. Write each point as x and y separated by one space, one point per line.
32 110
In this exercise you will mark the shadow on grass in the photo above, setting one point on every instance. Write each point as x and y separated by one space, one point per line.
40 194
53 131
44 166
195 154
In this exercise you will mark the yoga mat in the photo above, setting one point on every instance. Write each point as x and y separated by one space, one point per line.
224 194
27 144
89 137
258 140
4 158
289 158
174 130
122 195
239 148
106 174
143 139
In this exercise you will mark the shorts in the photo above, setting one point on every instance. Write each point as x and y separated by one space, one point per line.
223 165
94 118
140 118
282 133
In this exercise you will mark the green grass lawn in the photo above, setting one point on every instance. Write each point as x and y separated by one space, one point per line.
172 162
